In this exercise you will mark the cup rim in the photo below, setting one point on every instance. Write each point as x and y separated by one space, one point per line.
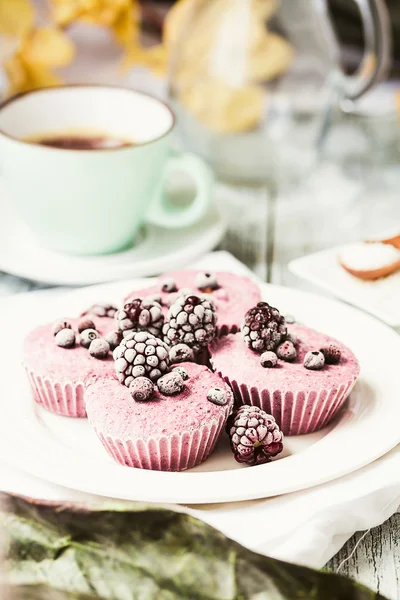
12 99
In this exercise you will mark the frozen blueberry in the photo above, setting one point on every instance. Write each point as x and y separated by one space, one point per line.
206 281
65 338
170 383
141 389
113 338
87 337
291 337
332 354
182 372
290 319
59 325
286 351
217 396
314 360
85 324
268 359
99 348
168 285
181 353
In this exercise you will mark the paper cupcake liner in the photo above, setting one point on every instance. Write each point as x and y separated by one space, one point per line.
177 452
296 413
60 398
226 330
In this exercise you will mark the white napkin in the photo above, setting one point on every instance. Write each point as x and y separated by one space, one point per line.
306 527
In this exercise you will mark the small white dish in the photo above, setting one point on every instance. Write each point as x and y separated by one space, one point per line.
381 298
157 250
67 452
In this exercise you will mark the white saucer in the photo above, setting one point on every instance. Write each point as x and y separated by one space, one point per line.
157 250
67 451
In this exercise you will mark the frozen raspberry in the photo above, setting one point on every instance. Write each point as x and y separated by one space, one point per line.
168 285
286 351
87 337
99 348
206 282
192 321
254 435
65 338
101 310
217 396
142 389
268 359
59 325
263 328
332 354
85 324
170 383
140 354
314 360
140 315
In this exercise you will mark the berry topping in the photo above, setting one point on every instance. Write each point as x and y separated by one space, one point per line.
65 338
140 354
168 285
182 372
59 325
268 359
254 435
217 396
332 354
141 389
113 338
85 324
263 328
206 282
140 315
291 337
286 351
99 348
181 353
170 384
314 360
191 320
87 337
101 310
290 319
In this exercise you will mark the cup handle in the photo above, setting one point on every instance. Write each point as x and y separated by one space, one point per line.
166 214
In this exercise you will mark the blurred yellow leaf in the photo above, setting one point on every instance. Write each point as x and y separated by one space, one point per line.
38 53
16 17
155 58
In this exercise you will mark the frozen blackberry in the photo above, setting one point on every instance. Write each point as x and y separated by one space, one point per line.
332 354
254 435
60 325
140 354
206 282
140 315
192 321
314 360
181 353
142 389
101 310
263 327
286 351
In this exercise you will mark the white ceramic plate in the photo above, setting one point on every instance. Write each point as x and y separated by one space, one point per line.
381 298
157 250
67 452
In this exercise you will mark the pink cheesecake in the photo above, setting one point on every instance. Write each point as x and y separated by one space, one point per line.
301 400
167 433
57 375
234 295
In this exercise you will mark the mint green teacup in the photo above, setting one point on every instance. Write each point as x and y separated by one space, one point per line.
94 201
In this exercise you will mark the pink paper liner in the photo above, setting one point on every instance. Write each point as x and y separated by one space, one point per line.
177 452
61 398
296 413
